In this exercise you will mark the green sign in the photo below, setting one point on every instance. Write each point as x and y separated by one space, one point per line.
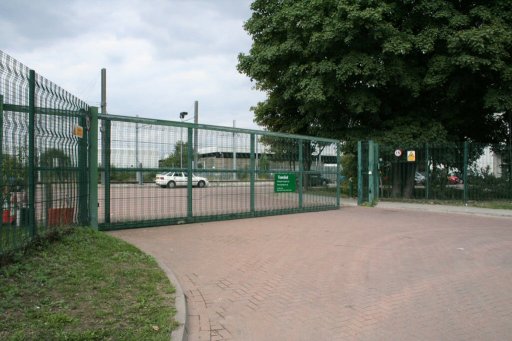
284 182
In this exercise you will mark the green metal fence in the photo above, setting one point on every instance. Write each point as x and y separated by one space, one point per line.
43 163
236 173
468 173
63 165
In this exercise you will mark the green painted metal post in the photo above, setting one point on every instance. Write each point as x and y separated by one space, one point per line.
1 144
252 173
83 216
427 171
93 167
338 171
371 173
376 175
359 172
31 154
301 173
465 174
106 158
190 158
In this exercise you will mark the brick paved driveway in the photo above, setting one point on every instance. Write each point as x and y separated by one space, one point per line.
356 273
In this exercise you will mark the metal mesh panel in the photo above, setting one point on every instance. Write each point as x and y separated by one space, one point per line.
233 171
14 80
56 161
489 176
464 172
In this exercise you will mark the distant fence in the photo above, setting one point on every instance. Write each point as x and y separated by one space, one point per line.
468 173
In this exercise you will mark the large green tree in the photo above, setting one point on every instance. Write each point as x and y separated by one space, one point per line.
363 69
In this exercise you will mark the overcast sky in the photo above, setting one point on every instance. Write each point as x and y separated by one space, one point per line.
160 55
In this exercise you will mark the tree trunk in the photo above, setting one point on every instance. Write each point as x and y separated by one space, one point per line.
410 170
396 175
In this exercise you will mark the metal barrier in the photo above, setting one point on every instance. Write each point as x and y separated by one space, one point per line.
151 172
43 161
236 173
468 173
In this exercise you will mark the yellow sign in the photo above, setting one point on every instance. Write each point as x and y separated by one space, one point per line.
411 156
78 131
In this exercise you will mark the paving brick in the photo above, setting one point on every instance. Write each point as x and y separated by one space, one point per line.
352 274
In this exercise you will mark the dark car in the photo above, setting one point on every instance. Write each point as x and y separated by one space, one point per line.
316 179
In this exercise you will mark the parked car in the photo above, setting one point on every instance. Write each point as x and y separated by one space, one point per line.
174 179
316 179
454 179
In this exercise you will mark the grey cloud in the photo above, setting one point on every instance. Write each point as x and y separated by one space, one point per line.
160 55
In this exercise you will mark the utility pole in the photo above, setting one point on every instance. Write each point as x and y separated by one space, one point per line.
103 123
138 164
196 122
234 151
182 118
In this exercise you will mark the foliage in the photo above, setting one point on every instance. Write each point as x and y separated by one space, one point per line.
14 171
86 286
54 161
353 69
178 158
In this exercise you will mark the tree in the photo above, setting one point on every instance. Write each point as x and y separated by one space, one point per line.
357 69
178 158
54 163
14 171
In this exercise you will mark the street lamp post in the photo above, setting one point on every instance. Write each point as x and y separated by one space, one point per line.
182 116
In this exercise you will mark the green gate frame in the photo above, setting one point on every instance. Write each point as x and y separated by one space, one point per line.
190 217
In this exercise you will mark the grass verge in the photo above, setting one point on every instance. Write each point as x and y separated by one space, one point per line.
86 286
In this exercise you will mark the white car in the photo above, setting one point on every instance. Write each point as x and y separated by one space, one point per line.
173 179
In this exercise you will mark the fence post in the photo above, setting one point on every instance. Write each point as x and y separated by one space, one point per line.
190 156
338 183
465 174
371 173
376 176
83 215
106 168
359 172
252 172
301 172
31 154
93 167
427 170
1 146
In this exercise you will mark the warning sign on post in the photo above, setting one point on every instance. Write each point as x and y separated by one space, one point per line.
78 131
284 182
411 156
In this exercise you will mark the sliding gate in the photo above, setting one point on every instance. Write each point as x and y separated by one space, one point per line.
152 173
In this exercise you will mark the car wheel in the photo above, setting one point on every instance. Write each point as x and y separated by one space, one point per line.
201 184
171 184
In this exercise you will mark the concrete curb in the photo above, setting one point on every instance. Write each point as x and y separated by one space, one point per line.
489 212
479 211
180 334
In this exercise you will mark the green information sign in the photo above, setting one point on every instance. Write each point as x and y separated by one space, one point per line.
284 182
